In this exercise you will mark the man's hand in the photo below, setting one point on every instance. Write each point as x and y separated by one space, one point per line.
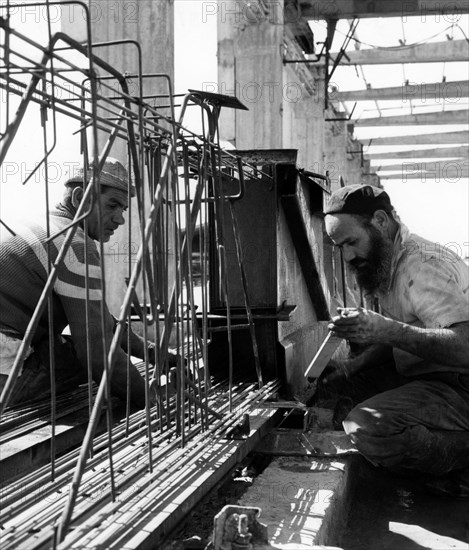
154 389
359 325
329 383
336 373
173 357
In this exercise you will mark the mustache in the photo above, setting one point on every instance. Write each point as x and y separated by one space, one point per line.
359 263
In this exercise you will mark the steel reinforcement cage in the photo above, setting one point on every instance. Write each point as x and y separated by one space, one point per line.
178 175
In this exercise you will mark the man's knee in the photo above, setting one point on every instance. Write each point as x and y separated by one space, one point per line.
373 433
366 420
360 426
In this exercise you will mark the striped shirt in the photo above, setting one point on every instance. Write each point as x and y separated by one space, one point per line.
25 263
25 266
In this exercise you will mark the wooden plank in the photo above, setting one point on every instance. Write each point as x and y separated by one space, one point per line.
455 116
431 91
323 356
431 52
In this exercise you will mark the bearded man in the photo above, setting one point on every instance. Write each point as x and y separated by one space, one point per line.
410 383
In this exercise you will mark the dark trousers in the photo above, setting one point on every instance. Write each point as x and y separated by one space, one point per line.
406 423
35 380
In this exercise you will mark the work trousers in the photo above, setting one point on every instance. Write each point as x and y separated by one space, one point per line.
406 423
35 381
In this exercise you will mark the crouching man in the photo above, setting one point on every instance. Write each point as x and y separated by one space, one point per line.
410 384
24 261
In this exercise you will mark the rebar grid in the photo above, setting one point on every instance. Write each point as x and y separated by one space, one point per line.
32 506
178 175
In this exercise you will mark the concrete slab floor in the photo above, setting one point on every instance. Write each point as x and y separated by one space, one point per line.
390 512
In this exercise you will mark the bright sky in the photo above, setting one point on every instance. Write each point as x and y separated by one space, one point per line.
436 210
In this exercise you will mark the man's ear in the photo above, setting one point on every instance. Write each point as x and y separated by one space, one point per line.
380 219
77 195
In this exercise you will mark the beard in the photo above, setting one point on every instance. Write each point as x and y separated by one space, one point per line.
373 272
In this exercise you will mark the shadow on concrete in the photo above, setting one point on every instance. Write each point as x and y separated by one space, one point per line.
389 512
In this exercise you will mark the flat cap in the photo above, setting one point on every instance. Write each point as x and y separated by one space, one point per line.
358 199
113 174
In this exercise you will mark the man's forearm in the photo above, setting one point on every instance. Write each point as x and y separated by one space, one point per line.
137 343
119 374
446 345
120 378
137 347
370 357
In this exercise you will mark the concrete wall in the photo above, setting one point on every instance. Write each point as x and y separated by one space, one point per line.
303 334
287 110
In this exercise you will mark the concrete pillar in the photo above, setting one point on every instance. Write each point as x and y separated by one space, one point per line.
250 67
303 115
354 167
335 146
151 24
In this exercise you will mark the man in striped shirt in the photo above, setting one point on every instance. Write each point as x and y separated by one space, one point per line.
26 260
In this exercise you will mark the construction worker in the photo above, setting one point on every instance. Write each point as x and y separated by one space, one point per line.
409 385
25 266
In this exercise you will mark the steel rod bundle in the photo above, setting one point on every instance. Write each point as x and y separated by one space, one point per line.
31 507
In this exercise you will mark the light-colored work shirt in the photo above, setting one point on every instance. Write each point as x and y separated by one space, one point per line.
429 288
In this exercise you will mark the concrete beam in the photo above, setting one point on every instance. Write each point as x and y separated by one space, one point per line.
302 33
440 152
427 166
433 52
456 116
436 139
450 176
435 91
313 518
348 9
